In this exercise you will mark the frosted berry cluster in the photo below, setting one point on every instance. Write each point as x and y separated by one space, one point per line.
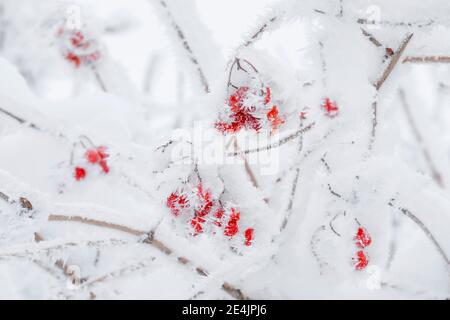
206 213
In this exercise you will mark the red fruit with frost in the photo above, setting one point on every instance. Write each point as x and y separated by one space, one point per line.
267 97
362 238
330 107
362 260
176 203
232 227
205 201
302 115
92 156
98 155
73 58
218 215
274 118
77 48
241 116
102 152
80 173
196 223
248 234
104 165
77 39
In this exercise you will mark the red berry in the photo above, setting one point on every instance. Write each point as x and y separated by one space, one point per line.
232 228
80 173
102 152
176 203
362 260
274 118
73 58
302 115
248 236
92 156
362 238
98 156
219 214
196 223
240 115
206 203
104 165
330 107
267 97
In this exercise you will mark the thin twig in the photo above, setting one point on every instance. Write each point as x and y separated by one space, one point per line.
119 272
418 24
294 184
435 174
371 38
98 223
424 228
247 167
99 79
427 59
255 36
274 145
19 119
186 46
313 245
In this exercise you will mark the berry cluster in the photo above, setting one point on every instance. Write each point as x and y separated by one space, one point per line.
77 48
249 108
363 240
200 208
94 156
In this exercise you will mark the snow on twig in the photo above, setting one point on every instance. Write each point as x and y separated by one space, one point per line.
149 239
435 174
427 59
180 34
274 145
